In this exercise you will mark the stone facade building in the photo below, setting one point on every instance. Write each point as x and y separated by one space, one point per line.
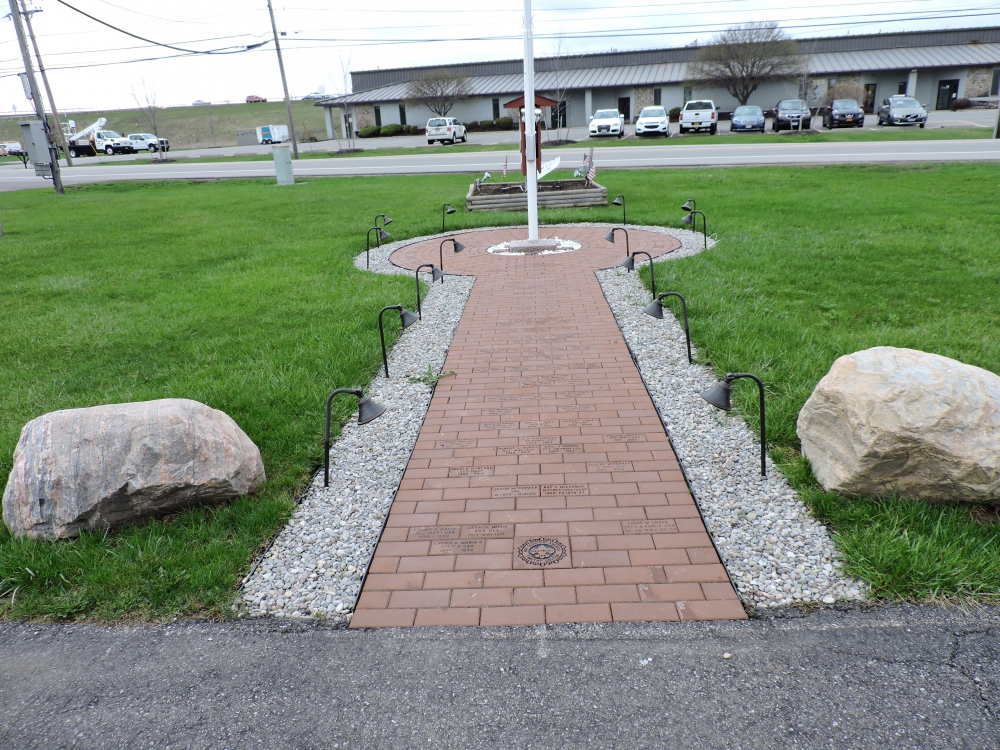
936 67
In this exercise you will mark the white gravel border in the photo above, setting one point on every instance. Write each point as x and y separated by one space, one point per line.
776 552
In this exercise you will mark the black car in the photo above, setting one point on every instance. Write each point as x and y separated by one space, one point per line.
844 113
789 113
747 120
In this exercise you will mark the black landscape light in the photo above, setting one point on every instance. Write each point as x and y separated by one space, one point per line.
690 219
367 411
386 221
655 308
406 319
690 205
459 247
720 396
610 237
436 273
382 235
629 263
620 201
446 209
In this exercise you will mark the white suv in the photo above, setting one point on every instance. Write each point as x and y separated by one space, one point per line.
653 120
446 130
147 142
607 122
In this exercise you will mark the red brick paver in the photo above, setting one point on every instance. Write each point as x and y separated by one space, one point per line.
542 487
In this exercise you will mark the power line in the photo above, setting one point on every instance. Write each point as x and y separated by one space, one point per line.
222 51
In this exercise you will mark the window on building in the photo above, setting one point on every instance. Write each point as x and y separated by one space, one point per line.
348 123
496 108
378 116
995 87
831 82
657 97
402 114
902 87
687 94
558 115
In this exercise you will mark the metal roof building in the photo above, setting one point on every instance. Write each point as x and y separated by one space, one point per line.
934 66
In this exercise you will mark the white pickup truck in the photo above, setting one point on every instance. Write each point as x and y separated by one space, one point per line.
699 114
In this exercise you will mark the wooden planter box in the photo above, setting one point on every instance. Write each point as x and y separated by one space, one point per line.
551 194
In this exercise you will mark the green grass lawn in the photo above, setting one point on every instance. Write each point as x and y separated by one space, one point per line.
241 294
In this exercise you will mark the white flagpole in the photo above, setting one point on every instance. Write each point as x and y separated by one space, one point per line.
529 124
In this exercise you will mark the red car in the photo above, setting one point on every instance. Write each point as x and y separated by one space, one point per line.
254 99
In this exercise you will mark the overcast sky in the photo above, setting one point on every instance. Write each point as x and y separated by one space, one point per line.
95 67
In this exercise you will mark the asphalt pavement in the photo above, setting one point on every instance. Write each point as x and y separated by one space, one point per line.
899 677
15 177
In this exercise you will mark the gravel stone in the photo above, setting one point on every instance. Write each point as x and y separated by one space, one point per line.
776 552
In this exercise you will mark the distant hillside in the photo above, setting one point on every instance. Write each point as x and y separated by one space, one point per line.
198 127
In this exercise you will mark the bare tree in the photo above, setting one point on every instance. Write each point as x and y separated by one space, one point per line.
560 93
845 91
743 57
343 87
439 92
146 102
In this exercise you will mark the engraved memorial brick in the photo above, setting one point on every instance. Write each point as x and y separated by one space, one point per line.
516 450
553 490
455 444
660 526
488 531
516 491
422 533
577 407
541 440
471 471
459 547
610 466
567 448
628 437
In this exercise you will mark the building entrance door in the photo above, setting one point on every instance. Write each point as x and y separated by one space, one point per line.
625 108
868 105
947 91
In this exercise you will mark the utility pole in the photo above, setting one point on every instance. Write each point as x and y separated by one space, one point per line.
45 83
284 83
36 99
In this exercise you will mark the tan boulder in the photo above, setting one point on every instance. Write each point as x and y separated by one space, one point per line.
888 419
110 466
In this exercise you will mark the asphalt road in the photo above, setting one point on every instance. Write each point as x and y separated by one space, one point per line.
15 177
901 677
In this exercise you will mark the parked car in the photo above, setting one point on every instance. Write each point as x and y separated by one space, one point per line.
254 99
902 110
148 142
844 113
446 130
314 95
653 120
199 103
607 122
789 113
11 148
747 119
699 114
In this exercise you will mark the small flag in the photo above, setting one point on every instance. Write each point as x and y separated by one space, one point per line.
586 160
504 168
592 173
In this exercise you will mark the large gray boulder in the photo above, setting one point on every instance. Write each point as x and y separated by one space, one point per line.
887 419
110 466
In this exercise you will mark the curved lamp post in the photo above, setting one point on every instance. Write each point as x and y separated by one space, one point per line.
720 396
406 319
381 235
446 209
459 247
690 219
610 237
436 273
367 411
386 221
655 308
629 263
620 201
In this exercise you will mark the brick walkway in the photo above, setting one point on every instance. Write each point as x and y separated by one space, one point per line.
543 487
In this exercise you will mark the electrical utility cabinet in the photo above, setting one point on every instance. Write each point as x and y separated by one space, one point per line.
36 141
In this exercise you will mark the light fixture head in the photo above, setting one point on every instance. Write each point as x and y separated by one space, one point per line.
386 220
486 176
654 308
448 208
688 219
720 395
687 206
459 247
406 318
628 263
369 410
610 236
437 274
382 234
617 201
